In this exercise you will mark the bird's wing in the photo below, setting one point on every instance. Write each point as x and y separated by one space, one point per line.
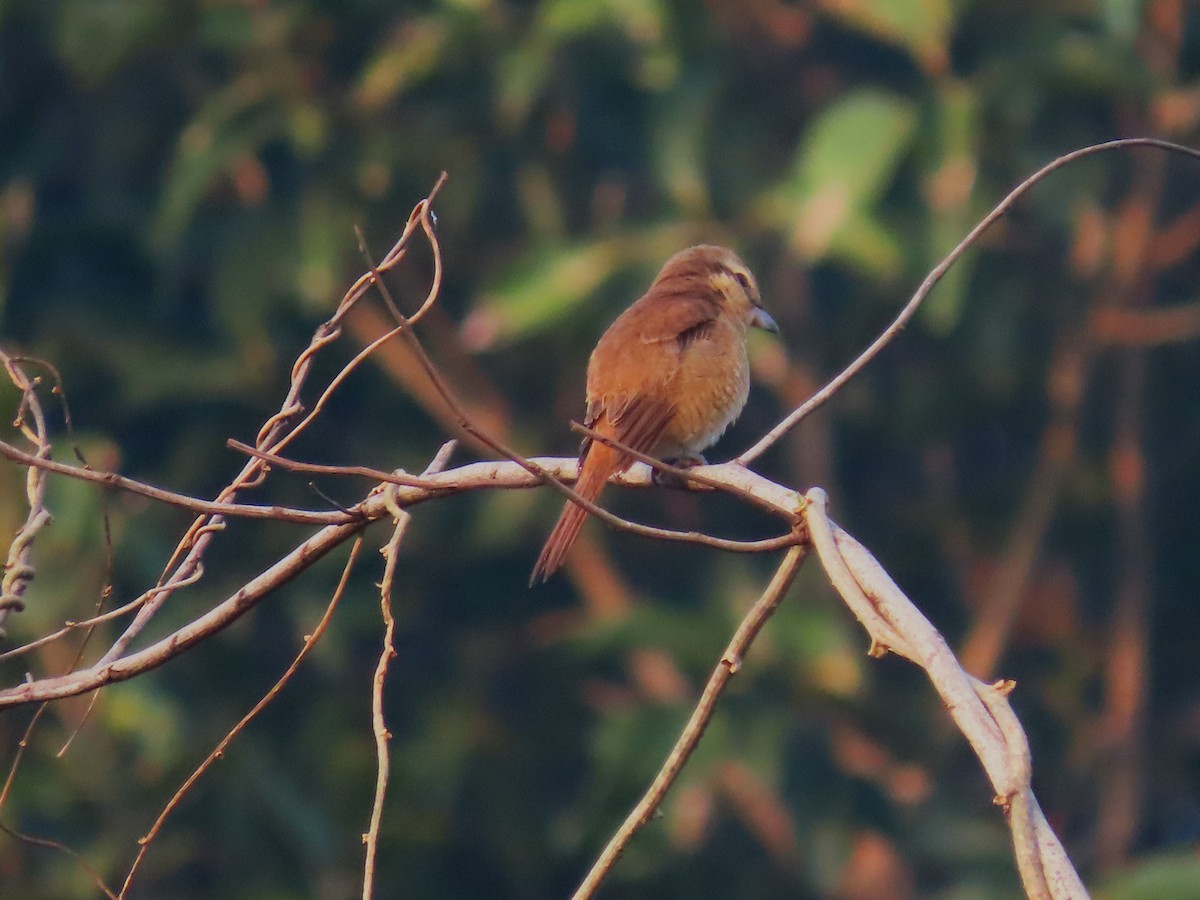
681 318
637 422
632 370
640 420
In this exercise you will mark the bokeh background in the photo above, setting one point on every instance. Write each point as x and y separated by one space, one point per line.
179 184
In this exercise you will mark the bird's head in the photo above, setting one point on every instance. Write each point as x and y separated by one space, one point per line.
730 281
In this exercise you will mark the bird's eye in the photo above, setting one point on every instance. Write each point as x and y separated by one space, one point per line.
742 280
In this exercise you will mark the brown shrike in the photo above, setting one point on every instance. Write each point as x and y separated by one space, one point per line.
667 378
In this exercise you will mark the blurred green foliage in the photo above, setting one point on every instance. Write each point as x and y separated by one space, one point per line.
179 183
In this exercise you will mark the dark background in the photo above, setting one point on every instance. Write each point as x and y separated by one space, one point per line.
179 183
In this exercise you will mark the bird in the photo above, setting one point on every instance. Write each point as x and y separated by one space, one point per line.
667 377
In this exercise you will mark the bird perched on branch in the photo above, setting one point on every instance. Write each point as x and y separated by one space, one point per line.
666 378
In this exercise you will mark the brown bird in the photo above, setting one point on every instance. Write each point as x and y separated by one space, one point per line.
667 377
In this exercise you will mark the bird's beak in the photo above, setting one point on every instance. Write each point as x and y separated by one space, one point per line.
760 318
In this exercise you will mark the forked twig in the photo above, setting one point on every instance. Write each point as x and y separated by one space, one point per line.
387 653
275 431
218 751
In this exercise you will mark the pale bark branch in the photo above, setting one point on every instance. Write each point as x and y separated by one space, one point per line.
980 710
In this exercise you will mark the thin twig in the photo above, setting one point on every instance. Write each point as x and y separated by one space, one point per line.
283 462
195 542
182 501
727 667
78 858
835 384
378 725
218 751
391 551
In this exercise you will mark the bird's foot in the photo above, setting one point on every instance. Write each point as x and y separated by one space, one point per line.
670 479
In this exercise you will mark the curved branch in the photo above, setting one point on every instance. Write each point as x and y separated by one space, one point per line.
834 385
980 710
18 569
191 549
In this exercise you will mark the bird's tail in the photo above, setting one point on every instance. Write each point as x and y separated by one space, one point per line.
599 463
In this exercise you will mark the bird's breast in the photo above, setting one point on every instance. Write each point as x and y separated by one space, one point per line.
712 387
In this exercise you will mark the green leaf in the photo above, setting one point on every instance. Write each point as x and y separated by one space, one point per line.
548 283
1173 877
844 166
949 186
920 26
233 124
681 126
97 39
413 54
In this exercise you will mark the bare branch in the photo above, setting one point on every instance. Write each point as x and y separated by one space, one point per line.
310 641
727 667
378 726
183 501
980 710
104 673
474 476
835 384
272 435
